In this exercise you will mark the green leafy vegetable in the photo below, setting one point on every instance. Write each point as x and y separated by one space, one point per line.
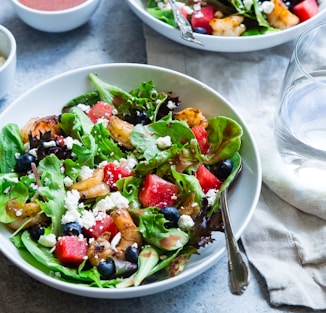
10 145
52 190
152 228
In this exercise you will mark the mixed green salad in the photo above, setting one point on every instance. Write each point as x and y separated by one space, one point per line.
120 188
236 17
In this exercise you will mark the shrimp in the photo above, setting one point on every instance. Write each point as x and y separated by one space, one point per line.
193 117
92 187
100 249
37 125
129 233
120 131
281 17
228 26
25 214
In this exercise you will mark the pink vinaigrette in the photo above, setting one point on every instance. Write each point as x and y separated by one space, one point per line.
51 5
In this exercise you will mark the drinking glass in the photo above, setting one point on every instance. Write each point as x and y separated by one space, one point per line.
300 120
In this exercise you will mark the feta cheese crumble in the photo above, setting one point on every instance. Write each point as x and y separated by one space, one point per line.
211 196
129 163
86 172
247 4
185 222
163 142
114 200
48 241
267 7
75 213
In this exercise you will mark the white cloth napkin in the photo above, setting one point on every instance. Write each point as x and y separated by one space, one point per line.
286 238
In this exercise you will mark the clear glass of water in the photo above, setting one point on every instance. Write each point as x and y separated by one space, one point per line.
300 120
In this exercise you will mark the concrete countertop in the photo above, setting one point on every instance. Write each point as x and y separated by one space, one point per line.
113 35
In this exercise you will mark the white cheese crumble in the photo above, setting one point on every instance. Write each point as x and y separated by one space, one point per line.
211 196
102 164
267 7
247 4
129 163
68 181
84 107
87 219
163 142
33 152
49 144
69 141
171 105
84 218
185 222
48 241
114 200
103 121
86 172
72 199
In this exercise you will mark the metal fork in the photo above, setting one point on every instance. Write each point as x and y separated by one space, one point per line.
185 28
238 268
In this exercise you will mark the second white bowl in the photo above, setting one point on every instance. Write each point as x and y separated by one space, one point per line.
8 51
56 21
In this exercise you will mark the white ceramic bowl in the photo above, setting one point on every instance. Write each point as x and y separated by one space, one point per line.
192 93
223 43
8 51
56 21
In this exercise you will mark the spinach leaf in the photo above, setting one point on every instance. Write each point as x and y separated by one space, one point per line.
144 137
107 149
188 184
46 258
152 227
224 136
76 123
10 145
52 190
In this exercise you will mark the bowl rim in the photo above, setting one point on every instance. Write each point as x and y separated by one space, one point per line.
159 286
202 37
80 6
13 46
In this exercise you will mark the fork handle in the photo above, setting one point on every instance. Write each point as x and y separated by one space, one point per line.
238 268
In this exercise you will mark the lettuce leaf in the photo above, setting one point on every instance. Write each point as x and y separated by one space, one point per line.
52 191
10 145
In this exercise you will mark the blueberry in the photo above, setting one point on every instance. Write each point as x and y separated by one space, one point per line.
131 254
106 268
172 214
200 30
24 163
222 169
71 229
36 231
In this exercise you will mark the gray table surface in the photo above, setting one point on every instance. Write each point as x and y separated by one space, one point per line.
113 35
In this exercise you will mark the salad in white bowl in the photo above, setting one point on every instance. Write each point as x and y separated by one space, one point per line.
121 189
237 18
233 25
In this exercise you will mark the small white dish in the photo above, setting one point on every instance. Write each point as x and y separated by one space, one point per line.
223 43
243 196
8 52
56 21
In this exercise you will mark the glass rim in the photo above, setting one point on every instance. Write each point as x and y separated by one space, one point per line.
297 59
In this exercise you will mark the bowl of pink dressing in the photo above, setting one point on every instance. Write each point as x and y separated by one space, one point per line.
55 16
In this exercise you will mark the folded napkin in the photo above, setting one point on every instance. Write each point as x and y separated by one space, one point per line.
286 238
